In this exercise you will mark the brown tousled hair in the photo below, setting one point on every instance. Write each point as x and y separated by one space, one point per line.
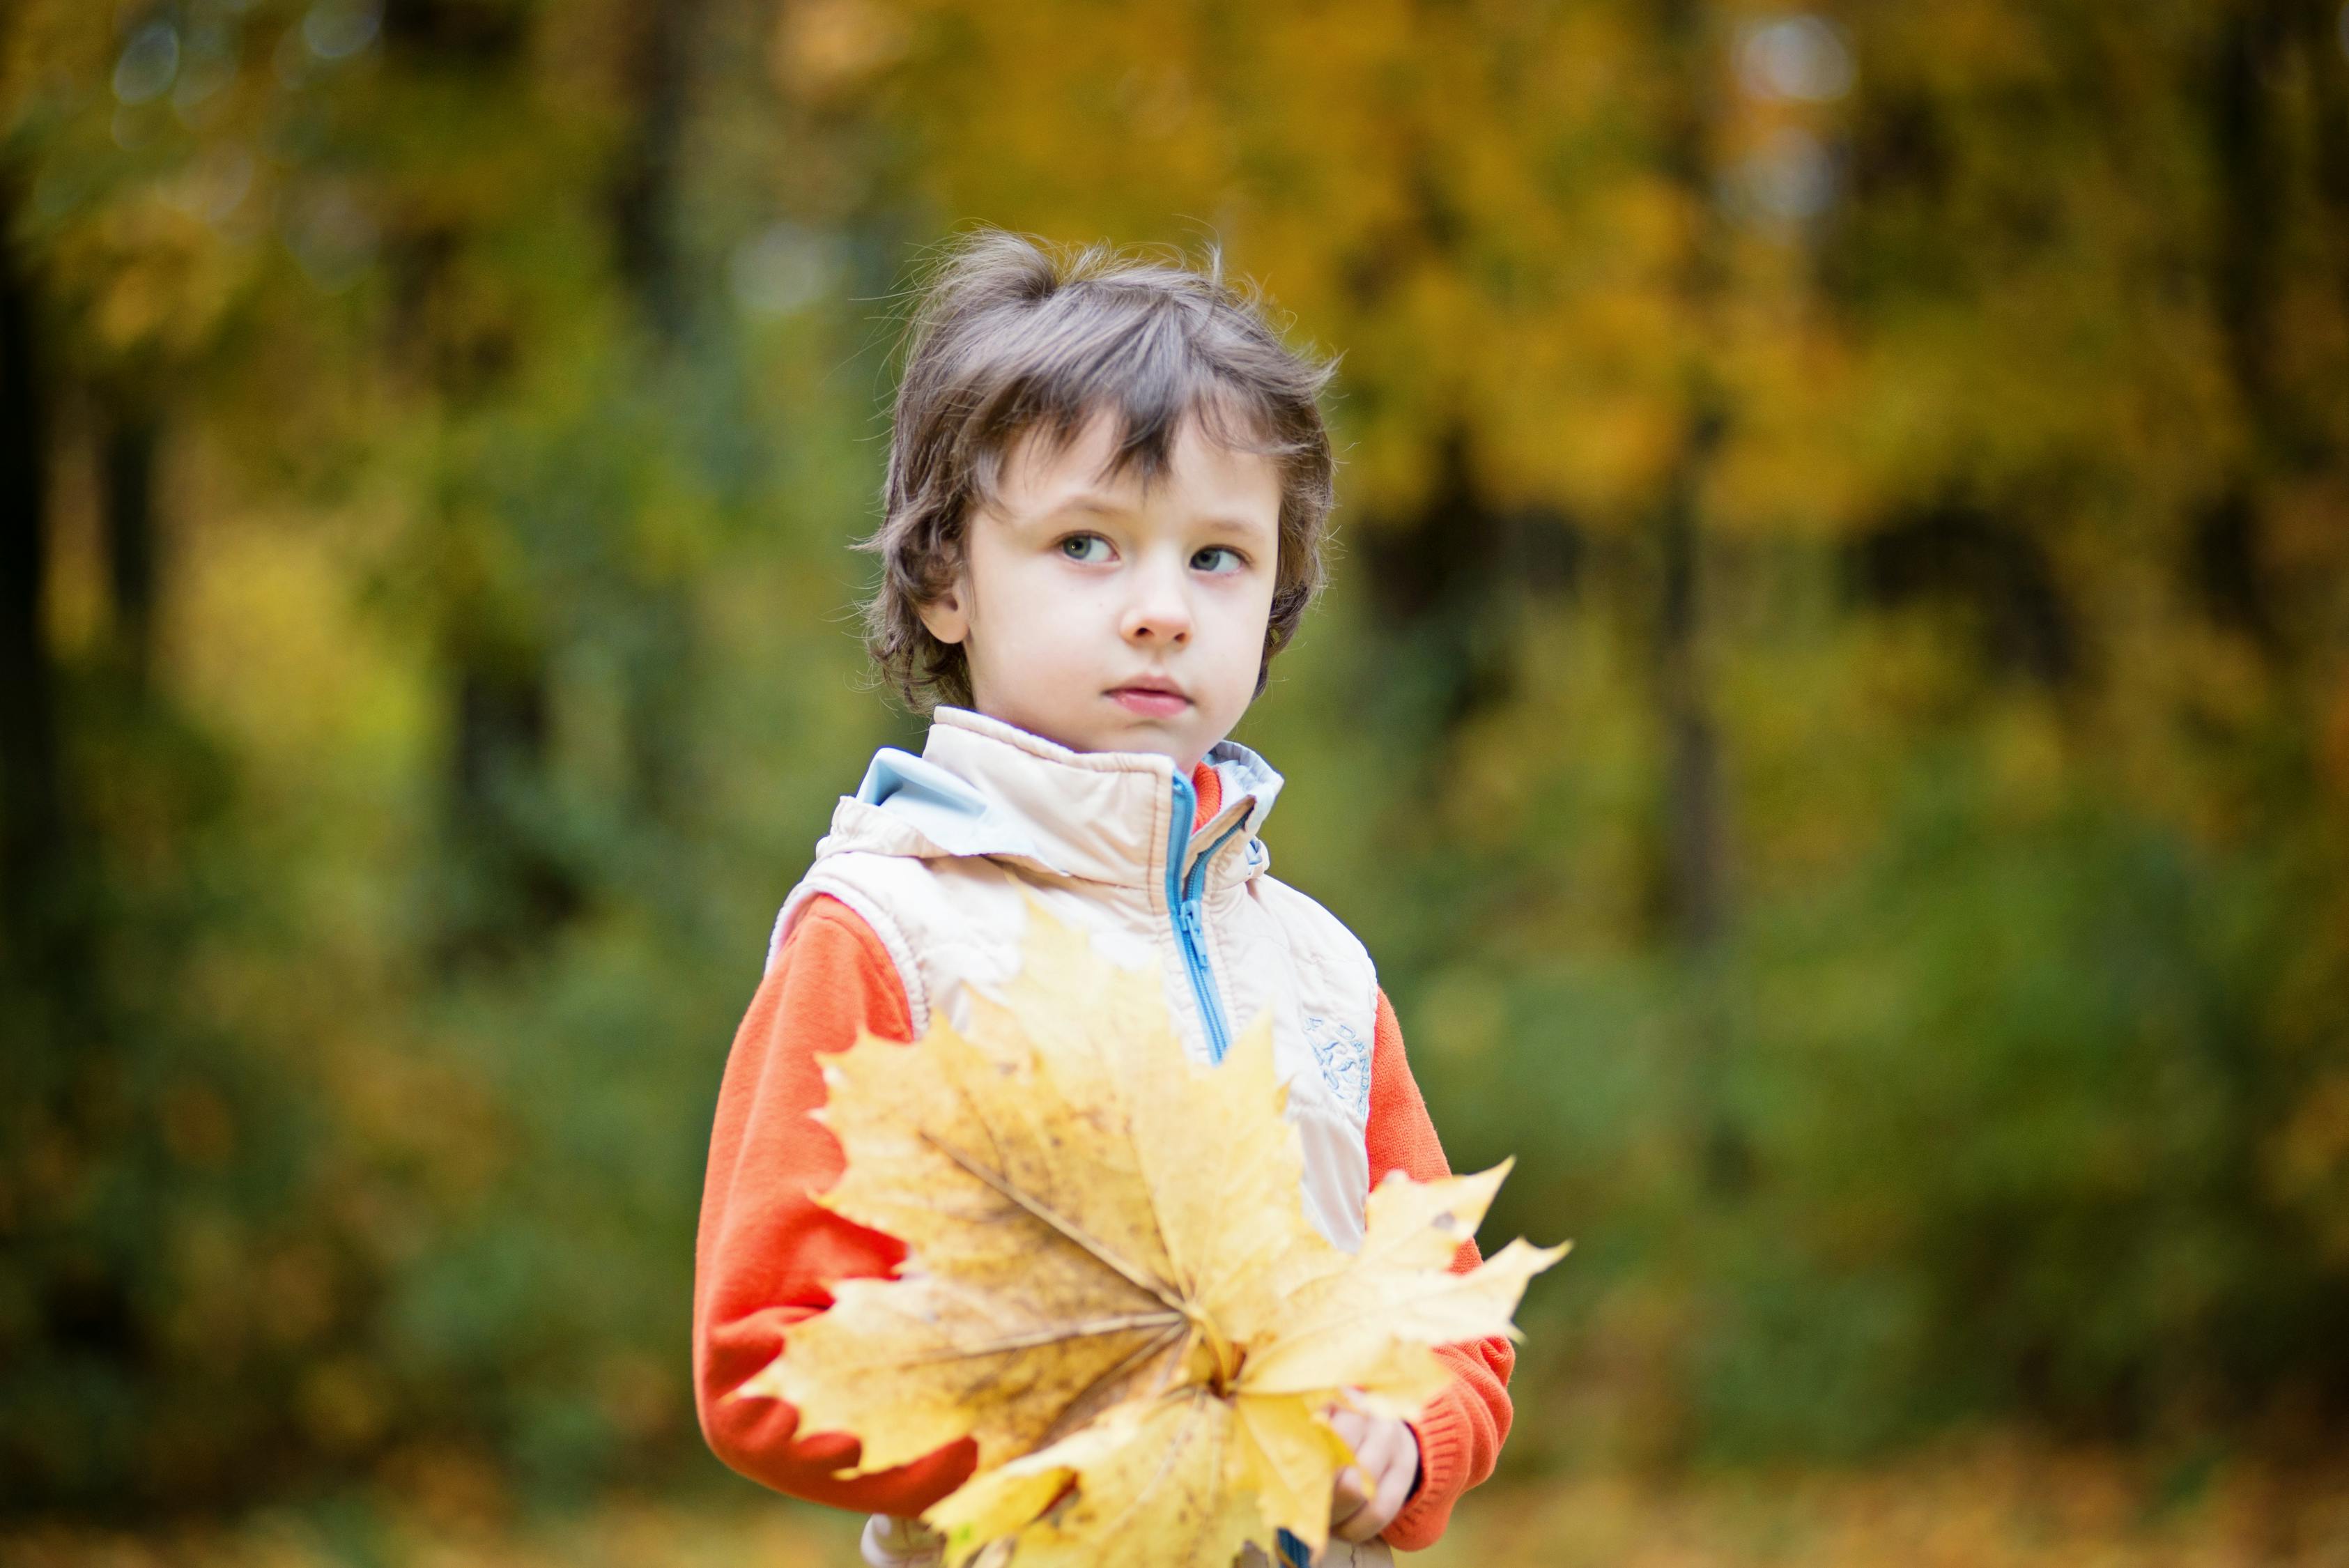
1009 337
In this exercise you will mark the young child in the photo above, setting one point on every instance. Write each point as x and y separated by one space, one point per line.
1108 485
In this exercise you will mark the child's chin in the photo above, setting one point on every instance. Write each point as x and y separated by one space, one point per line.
1161 737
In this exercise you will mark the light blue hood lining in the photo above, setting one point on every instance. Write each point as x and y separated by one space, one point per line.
942 806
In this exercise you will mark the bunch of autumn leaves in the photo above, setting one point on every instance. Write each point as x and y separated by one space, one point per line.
1111 1285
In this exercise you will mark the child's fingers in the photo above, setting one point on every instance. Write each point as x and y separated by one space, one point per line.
1355 1489
1397 1476
1352 1495
1389 1456
1360 1520
901 1543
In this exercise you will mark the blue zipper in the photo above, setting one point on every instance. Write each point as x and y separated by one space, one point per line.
1185 900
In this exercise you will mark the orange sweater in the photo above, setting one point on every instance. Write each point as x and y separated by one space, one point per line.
766 1249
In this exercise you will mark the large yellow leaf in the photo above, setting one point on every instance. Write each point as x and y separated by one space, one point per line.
1111 1285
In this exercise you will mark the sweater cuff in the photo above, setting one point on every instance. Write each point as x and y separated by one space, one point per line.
1443 1440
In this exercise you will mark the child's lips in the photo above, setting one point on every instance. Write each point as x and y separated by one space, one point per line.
1149 701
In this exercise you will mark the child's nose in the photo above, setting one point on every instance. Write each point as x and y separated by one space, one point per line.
1159 611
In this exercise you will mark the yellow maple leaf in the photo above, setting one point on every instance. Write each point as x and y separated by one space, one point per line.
1111 1286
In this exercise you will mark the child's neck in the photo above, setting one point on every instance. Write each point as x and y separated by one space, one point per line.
1200 773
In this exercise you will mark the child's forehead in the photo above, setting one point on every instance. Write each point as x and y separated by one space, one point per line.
1103 448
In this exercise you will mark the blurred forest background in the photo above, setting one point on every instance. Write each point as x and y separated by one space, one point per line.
1833 715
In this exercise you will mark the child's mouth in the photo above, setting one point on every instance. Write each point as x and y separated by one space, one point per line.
1149 701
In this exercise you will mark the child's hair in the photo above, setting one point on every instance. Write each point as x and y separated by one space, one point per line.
1009 337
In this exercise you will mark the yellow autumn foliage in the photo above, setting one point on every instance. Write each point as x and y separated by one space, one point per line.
1111 1286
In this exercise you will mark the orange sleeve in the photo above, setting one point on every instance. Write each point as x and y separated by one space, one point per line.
765 1249
1461 1431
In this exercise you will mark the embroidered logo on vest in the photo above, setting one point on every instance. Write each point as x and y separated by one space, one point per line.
1344 1061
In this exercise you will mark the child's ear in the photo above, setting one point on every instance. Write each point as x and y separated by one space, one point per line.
946 616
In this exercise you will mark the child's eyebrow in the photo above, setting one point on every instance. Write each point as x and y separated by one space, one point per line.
1235 525
1087 503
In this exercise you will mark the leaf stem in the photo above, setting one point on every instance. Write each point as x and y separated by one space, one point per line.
1093 1329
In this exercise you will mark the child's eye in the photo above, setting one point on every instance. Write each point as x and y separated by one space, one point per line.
1217 559
1090 548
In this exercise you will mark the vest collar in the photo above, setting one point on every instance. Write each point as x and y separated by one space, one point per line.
983 787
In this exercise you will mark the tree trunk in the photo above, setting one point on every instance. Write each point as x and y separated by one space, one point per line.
1693 808
1434 577
2228 559
506 890
1692 813
29 760
645 194
513 891
129 461
647 222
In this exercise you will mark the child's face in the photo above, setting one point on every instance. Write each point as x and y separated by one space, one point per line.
1111 617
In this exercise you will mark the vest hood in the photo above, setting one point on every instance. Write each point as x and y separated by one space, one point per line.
985 788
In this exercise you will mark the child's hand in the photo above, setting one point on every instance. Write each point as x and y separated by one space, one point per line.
901 1544
1373 1488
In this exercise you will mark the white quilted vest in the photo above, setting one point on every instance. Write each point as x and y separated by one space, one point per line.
939 854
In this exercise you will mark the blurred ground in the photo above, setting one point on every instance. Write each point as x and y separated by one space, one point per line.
1990 1504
